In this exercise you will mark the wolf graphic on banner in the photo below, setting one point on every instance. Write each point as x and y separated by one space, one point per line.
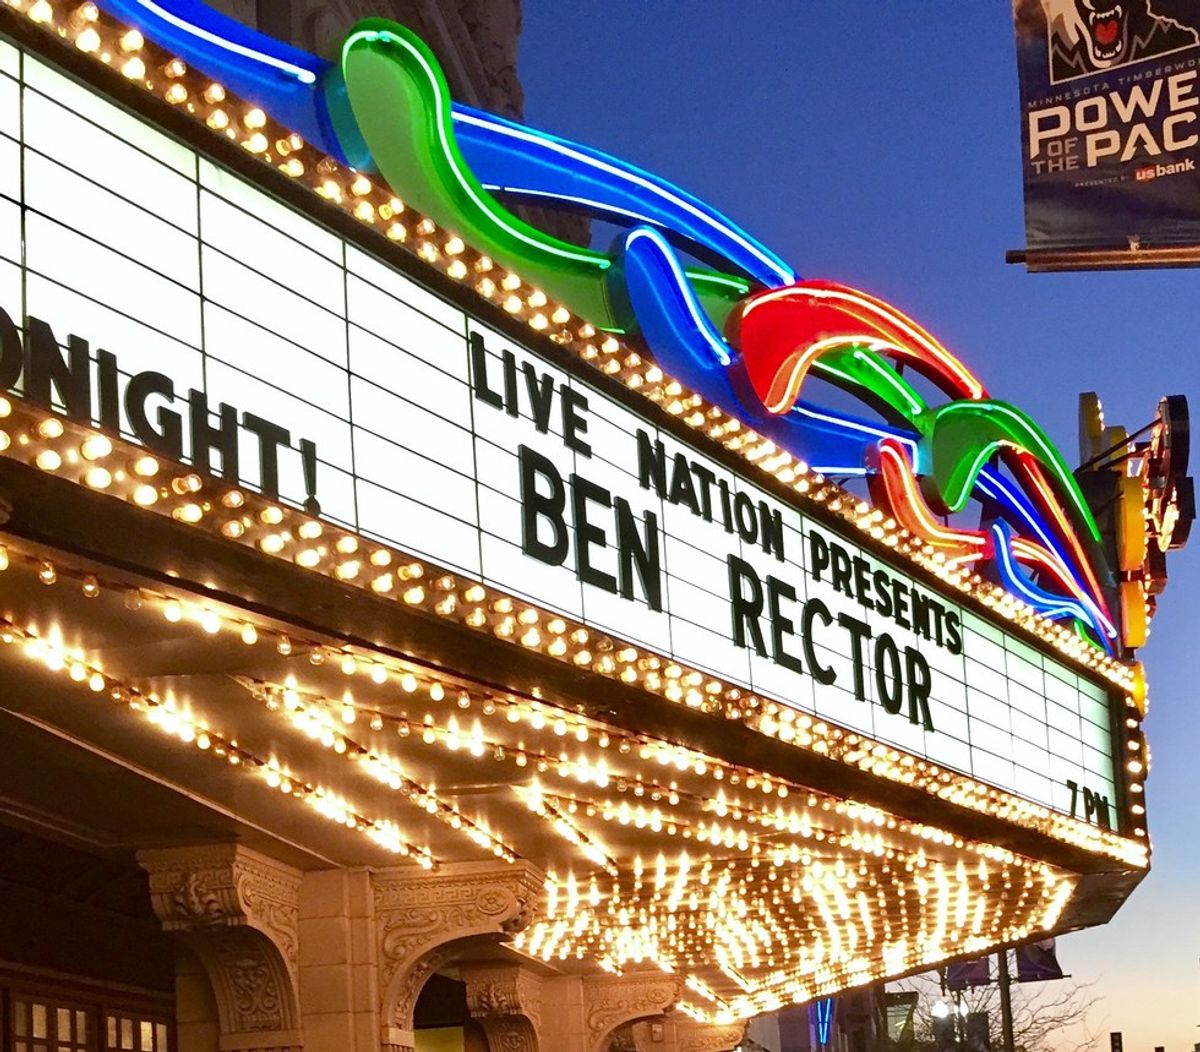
1094 36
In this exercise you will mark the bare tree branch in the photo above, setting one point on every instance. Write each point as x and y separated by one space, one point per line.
1043 1013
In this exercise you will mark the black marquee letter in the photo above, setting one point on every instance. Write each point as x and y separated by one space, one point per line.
535 506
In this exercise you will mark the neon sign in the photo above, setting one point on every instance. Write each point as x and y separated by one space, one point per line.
720 312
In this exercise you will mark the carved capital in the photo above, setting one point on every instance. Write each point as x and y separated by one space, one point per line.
611 1001
421 920
506 1000
239 912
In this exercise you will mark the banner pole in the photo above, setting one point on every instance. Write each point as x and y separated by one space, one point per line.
1006 1016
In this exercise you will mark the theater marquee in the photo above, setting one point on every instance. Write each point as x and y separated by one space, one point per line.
474 546
209 323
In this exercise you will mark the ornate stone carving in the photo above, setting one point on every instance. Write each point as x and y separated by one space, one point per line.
678 1033
238 911
423 919
613 1000
506 1000
691 1036
509 1033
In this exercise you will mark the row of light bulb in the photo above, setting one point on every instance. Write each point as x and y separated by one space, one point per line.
277 530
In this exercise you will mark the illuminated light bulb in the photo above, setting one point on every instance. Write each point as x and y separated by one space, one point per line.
218 120
414 595
486 287
254 119
210 621
41 12
257 143
379 674
98 478
364 211
46 573
348 570
284 646
48 460
397 232
134 68
5 441
436 692
349 665
348 714
88 41
561 316
457 270
408 683
95 447
190 513
272 516
50 428
513 304
383 583
91 587
272 544
173 611
176 94
510 281
361 186
293 166
249 634
233 529
539 322
145 467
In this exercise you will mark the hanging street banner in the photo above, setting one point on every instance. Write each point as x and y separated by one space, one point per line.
1110 114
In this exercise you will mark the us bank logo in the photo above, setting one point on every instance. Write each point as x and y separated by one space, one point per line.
1097 36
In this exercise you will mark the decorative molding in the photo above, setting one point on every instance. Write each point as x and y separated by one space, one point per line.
613 1000
506 1000
239 912
691 1036
423 919
678 1033
510 1033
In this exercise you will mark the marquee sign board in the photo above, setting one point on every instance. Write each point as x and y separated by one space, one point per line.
210 321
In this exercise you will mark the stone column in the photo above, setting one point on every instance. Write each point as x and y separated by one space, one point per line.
339 983
237 912
422 920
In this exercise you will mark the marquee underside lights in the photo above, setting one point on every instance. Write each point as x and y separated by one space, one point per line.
632 524
758 889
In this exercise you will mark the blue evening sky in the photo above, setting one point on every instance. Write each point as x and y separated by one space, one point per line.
876 142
